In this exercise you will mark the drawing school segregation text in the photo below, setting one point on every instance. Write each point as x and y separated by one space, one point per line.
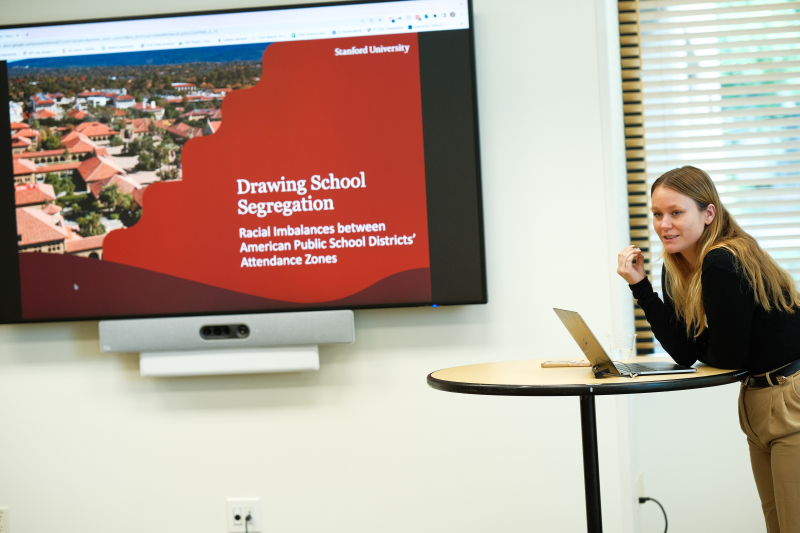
290 207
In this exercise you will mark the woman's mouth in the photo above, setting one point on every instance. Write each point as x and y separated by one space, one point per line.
669 237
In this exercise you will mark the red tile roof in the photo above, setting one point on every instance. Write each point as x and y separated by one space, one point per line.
198 113
94 129
23 166
44 114
51 209
78 143
100 168
19 142
18 126
78 114
184 130
39 101
139 106
214 125
27 133
101 150
138 196
37 227
141 125
123 183
83 244
36 193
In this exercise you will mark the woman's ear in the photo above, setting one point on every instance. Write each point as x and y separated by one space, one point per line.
711 212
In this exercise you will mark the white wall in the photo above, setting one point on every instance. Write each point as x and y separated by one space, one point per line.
695 462
363 445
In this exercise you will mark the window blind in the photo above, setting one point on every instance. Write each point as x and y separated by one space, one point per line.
715 85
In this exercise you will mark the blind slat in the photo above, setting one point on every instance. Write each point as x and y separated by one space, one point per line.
789 30
736 78
650 70
727 102
772 111
757 193
666 59
661 131
763 41
648 15
652 176
774 180
658 154
653 97
655 4
646 28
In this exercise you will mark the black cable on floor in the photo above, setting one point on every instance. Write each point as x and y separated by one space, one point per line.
645 499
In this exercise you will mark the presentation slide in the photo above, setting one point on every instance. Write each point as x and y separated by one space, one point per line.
304 189
241 161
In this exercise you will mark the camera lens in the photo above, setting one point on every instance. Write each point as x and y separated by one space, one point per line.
217 331
226 331
243 331
205 332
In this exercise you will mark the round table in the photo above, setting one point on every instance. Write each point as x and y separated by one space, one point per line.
528 378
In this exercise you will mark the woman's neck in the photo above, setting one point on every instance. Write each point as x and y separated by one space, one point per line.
690 257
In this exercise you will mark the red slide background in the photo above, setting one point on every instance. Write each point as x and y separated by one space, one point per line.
311 113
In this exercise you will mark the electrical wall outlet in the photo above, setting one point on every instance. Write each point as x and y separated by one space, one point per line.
237 511
640 483
3 519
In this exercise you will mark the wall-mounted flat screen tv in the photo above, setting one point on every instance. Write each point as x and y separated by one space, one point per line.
284 158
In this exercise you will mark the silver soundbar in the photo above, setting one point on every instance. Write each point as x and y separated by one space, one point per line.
228 344
264 329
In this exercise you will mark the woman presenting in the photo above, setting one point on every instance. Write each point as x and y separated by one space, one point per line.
728 304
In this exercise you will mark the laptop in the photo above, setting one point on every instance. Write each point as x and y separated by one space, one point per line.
602 363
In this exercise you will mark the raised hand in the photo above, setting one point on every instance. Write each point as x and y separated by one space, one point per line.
630 264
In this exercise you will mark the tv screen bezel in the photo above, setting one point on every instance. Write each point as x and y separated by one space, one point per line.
10 289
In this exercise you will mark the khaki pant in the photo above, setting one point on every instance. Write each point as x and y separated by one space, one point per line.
770 417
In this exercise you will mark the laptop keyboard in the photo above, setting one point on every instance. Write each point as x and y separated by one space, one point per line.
638 368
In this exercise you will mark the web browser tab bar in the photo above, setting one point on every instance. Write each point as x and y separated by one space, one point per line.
226 29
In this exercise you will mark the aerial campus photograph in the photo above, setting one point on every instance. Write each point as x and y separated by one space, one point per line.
91 133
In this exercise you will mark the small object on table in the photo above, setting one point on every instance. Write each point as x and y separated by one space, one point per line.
569 362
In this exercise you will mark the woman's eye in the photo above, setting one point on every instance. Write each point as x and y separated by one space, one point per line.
676 213
656 215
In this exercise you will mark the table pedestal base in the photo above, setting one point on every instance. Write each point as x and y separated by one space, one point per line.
591 465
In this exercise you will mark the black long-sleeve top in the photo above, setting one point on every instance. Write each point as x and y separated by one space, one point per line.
740 332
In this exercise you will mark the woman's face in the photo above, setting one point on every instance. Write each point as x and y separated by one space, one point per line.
678 221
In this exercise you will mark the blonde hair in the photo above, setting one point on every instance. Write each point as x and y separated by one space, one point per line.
772 286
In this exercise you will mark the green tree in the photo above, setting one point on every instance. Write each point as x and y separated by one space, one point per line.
91 225
60 185
51 142
131 216
112 197
168 173
116 141
146 162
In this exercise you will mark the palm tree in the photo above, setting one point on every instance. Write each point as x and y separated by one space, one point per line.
91 225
